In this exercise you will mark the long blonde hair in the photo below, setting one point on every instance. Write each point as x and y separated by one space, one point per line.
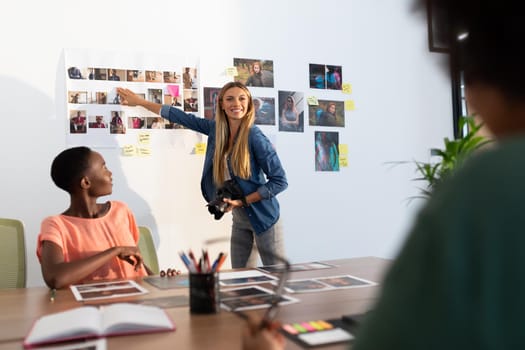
239 152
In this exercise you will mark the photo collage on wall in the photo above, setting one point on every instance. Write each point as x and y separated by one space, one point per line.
326 113
94 106
286 109
95 110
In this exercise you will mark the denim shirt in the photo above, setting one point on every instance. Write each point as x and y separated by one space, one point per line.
267 174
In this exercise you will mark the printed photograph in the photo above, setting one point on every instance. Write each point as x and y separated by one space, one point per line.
327 113
345 281
180 281
254 72
83 292
136 122
116 74
172 77
296 267
255 302
113 97
326 151
307 285
191 100
243 292
189 78
326 77
77 122
96 122
334 77
116 125
264 110
77 97
75 73
317 76
155 123
210 101
155 95
247 280
175 101
104 285
98 74
135 75
154 76
102 97
291 111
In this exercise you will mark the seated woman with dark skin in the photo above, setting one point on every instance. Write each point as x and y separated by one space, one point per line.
89 241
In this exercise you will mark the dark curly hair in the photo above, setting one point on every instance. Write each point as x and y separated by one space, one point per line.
69 166
493 51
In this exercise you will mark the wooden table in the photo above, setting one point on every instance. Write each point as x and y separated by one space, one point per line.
20 307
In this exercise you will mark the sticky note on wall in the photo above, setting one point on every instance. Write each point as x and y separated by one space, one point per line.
231 71
173 90
347 88
349 105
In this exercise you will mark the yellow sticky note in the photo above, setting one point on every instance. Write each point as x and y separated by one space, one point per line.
144 151
347 88
312 101
343 161
231 71
200 148
144 138
129 150
349 105
343 148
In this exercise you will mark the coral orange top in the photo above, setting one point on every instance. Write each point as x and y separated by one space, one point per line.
80 238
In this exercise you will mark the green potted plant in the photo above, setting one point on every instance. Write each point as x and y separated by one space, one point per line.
450 157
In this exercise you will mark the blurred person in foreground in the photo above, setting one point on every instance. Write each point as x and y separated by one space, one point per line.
457 282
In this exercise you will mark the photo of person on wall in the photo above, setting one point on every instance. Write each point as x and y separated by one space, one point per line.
327 113
254 72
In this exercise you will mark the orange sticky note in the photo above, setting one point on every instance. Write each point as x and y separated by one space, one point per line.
173 90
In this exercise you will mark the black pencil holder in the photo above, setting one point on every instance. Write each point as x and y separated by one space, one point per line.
204 293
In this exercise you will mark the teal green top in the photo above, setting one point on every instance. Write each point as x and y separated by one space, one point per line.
459 280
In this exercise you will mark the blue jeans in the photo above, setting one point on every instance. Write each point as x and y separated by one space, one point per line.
269 243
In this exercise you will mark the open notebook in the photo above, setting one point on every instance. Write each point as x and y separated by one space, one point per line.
92 322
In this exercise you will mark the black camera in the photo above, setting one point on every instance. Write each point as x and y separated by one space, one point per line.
231 190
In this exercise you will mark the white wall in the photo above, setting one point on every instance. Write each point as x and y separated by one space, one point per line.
402 102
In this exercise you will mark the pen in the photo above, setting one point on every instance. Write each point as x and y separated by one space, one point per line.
186 261
206 257
221 261
192 257
52 296
216 262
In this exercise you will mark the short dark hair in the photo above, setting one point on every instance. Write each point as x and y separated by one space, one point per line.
69 166
493 52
